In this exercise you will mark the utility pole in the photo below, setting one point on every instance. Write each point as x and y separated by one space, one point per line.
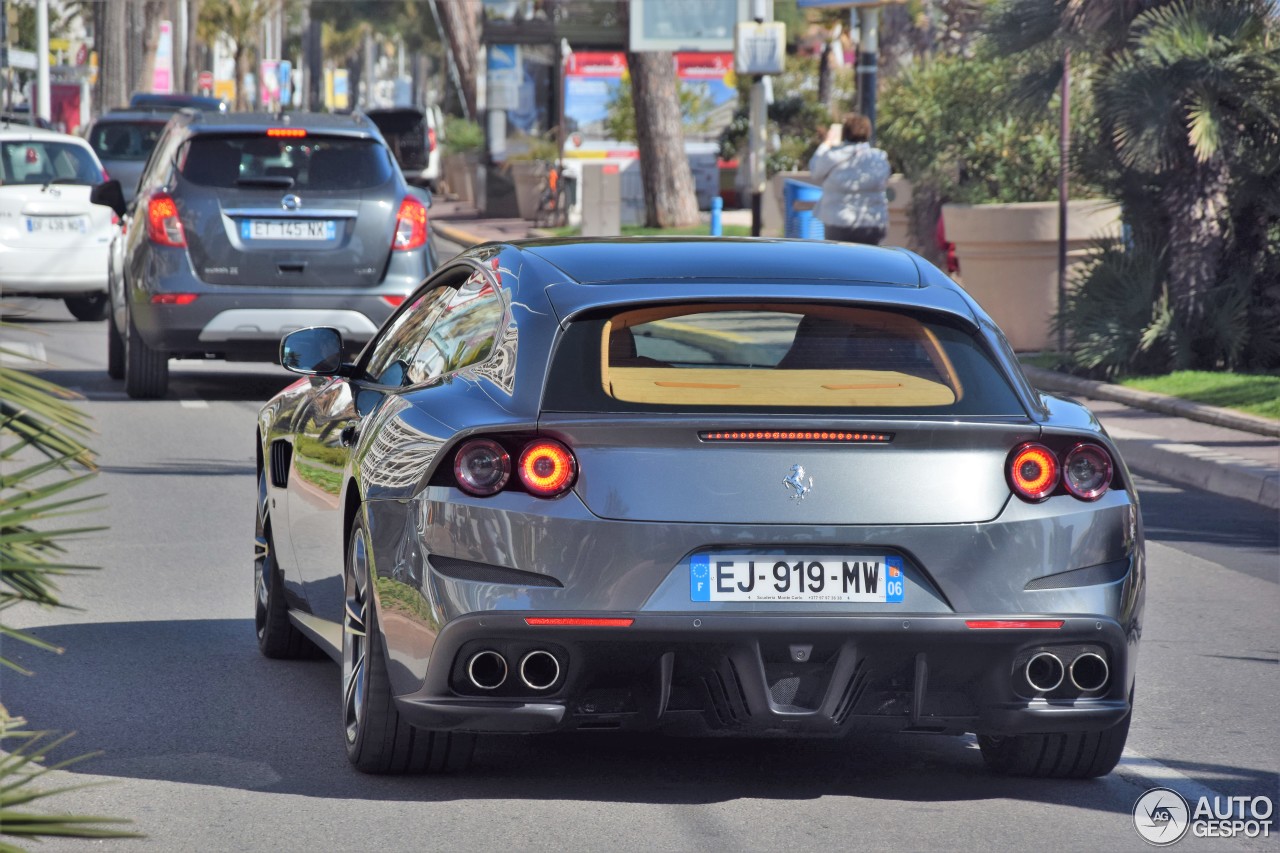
42 60
1064 158
757 151
868 60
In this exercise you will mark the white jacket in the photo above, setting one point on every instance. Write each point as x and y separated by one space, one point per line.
853 177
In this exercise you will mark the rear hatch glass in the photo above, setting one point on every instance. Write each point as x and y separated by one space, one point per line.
406 133
125 141
40 161
892 415
307 210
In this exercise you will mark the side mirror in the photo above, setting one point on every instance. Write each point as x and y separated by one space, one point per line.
316 351
109 194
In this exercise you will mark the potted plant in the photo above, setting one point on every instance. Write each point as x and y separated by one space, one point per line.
527 162
464 141
956 130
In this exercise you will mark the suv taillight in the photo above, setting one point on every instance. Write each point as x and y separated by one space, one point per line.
411 226
431 140
163 226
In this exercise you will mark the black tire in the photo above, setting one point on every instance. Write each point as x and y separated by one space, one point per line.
115 350
88 308
378 740
146 371
1077 755
277 636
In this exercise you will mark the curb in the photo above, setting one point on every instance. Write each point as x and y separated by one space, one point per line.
456 234
1051 380
1186 464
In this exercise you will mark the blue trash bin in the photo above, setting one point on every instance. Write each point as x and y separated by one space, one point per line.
801 223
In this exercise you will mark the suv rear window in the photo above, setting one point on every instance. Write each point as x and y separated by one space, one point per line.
39 161
312 163
770 357
118 140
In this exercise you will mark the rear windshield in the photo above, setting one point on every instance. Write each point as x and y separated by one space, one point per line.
775 357
121 141
44 162
312 163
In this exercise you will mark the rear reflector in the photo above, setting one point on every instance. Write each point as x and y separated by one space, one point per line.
286 132
576 622
174 298
798 435
1006 624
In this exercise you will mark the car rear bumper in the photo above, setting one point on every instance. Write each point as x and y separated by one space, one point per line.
53 272
758 674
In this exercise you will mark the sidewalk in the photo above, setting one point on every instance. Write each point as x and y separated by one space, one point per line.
1220 451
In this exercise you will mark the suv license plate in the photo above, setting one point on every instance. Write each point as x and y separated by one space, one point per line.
288 229
739 577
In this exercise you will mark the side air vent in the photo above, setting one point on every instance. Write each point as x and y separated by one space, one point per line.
466 570
281 456
853 690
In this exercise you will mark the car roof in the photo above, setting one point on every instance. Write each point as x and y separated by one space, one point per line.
676 259
354 124
131 116
176 101
17 130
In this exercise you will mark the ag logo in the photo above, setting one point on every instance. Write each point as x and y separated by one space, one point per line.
1161 816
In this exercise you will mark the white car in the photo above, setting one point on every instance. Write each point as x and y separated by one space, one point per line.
53 241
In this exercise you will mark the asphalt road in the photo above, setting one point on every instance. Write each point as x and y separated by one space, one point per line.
208 746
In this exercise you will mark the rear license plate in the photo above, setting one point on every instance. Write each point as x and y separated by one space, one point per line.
736 577
57 224
288 229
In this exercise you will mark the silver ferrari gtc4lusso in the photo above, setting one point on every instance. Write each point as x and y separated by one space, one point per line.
700 486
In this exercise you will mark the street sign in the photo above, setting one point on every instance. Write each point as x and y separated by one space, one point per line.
24 59
504 72
204 82
760 48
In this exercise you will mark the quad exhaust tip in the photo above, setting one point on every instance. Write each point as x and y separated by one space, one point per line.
539 669
487 670
1089 672
1045 672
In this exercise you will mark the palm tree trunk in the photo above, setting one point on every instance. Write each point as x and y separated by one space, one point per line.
670 200
1196 204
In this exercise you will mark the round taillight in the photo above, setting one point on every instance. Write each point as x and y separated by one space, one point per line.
482 467
547 468
1086 471
1033 472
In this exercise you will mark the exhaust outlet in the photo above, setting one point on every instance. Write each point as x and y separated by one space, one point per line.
1089 672
1044 672
539 669
487 670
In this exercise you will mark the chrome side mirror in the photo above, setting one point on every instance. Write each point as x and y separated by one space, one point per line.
315 351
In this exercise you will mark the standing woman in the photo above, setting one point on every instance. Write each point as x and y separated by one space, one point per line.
853 174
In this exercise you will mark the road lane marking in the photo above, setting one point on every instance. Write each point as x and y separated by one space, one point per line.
22 353
194 404
1152 774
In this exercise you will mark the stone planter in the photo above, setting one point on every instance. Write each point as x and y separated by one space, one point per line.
527 177
460 175
1009 259
899 193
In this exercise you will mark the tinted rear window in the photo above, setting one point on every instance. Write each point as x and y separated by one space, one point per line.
775 357
311 163
125 141
43 162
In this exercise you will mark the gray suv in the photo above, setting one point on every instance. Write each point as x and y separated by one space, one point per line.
246 226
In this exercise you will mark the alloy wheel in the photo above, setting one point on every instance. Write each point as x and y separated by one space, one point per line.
355 639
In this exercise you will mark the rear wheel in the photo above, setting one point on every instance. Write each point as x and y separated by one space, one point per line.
378 740
146 371
115 350
90 307
277 636
1077 755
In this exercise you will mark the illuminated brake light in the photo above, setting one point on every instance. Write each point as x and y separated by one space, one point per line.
547 468
1013 624
431 140
797 435
174 298
577 622
163 225
1033 472
286 132
411 226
